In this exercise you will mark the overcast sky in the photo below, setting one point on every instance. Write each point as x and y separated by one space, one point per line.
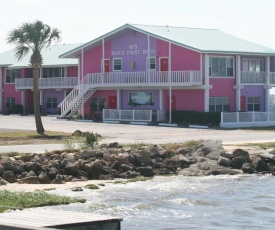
83 20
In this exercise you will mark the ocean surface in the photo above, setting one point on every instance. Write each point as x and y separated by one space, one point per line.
177 202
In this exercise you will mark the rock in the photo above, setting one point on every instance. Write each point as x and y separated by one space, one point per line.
142 158
243 153
32 166
106 177
247 168
30 180
267 156
113 145
13 166
237 162
3 182
124 168
90 153
129 175
58 180
77 189
77 133
222 161
172 163
259 165
112 151
183 162
52 173
2 169
79 178
212 149
161 171
44 179
9 176
146 171
72 168
54 164
94 169
30 174
68 178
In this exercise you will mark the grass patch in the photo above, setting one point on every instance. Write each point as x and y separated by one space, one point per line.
188 144
137 145
20 200
32 137
265 145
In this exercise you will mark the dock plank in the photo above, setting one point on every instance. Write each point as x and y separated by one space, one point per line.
54 218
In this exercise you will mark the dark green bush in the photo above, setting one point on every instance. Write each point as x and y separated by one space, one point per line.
91 139
16 109
196 118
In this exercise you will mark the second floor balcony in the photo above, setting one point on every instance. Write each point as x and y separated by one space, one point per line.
257 77
118 79
47 83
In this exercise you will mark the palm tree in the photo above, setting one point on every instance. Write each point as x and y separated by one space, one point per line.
33 37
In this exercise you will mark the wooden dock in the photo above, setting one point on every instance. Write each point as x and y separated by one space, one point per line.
56 219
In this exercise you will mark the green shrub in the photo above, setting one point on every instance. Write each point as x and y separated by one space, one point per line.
91 139
16 109
196 118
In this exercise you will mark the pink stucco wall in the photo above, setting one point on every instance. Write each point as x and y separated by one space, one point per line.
72 71
189 100
182 58
92 59
224 87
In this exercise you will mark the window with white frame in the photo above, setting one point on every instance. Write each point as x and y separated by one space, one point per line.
9 102
117 64
151 63
221 67
51 103
219 104
12 74
97 104
253 103
53 72
252 65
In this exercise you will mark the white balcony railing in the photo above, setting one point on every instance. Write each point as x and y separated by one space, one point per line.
154 78
253 77
272 78
133 115
46 83
247 119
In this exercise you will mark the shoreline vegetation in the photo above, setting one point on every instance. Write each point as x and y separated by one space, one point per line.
94 165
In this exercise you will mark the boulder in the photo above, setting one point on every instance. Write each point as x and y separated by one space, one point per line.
146 171
94 169
237 162
142 158
247 168
259 165
58 180
32 166
2 169
72 168
9 176
43 178
30 180
106 177
222 161
13 166
129 174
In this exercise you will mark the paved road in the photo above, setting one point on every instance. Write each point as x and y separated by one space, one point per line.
125 133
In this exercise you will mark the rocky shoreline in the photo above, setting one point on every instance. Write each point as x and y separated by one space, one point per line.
206 157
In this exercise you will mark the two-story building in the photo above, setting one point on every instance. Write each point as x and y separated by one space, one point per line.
57 78
164 68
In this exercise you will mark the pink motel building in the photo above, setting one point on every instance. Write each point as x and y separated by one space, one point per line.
143 72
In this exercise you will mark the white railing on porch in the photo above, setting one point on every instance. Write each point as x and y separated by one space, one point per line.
253 77
152 78
47 83
272 78
247 119
132 115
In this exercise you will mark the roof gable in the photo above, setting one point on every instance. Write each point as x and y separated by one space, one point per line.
201 40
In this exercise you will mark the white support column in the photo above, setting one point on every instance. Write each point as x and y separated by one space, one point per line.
118 92
201 66
170 87
161 100
148 59
66 71
78 70
82 76
206 83
103 57
23 102
65 94
238 83
267 88
1 90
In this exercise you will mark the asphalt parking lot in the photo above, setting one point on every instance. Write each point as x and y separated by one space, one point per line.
127 133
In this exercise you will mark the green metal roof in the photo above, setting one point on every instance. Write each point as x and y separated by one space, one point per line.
204 40
201 40
50 57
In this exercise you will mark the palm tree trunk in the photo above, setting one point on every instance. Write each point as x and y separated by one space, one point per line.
36 102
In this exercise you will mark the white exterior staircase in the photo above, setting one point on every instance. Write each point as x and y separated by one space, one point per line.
76 98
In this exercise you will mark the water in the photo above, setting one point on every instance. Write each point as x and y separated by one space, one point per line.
177 202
